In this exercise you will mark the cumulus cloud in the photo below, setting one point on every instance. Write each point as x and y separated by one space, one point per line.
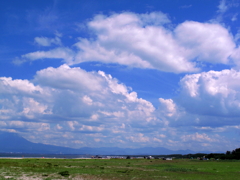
131 40
65 77
203 140
236 56
215 93
206 42
167 106
94 109
206 101
197 137
146 41
72 100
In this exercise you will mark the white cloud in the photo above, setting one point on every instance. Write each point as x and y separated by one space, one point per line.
224 12
72 124
32 107
72 100
144 41
87 100
154 18
95 109
25 126
237 36
234 18
236 57
91 128
206 42
138 138
198 137
167 106
208 101
127 39
222 7
59 127
18 86
65 77
44 41
212 93
58 53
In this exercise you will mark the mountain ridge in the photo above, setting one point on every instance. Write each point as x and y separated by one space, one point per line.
14 143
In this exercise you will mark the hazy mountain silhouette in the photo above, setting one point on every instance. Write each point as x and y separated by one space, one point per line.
12 142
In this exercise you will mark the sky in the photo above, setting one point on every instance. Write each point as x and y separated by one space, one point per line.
129 74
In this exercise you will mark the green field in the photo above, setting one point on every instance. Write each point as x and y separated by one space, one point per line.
134 169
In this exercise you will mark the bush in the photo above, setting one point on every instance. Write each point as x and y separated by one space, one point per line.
64 173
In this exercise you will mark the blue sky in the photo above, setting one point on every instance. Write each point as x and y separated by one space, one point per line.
121 74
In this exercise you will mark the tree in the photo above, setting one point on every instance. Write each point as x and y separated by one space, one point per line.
228 152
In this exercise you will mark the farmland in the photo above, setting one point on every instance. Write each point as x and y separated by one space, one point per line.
126 169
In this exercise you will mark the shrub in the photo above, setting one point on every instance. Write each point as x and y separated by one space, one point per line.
64 173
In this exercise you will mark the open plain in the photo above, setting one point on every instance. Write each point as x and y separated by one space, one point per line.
117 169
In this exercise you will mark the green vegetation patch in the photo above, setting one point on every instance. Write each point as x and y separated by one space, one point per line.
64 173
180 169
139 169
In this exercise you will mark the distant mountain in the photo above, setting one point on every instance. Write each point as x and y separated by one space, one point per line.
12 142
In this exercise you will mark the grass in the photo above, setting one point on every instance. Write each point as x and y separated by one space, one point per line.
126 169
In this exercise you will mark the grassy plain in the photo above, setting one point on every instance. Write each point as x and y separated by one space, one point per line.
117 169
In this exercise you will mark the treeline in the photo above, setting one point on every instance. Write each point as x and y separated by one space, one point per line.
180 156
235 154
